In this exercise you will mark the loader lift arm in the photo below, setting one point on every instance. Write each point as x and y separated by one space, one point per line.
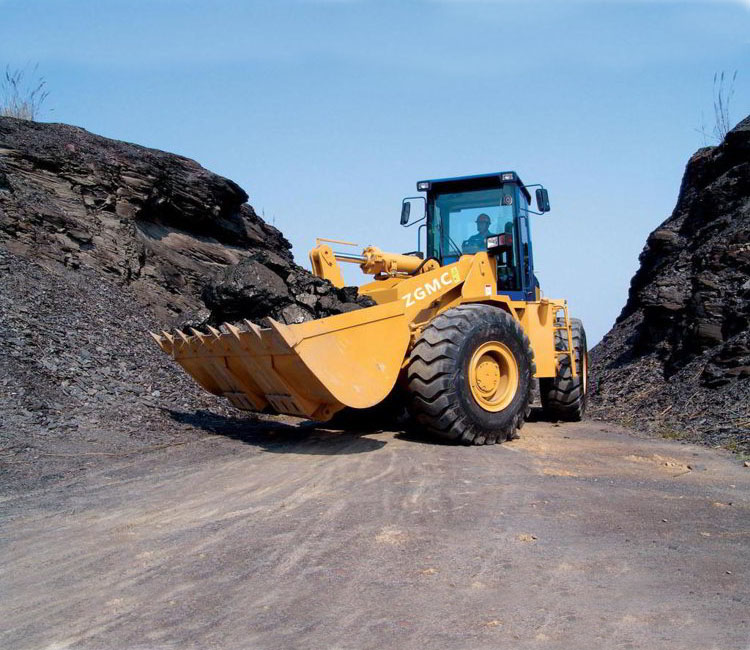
373 261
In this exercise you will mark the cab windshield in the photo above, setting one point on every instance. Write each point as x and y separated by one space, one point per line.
462 221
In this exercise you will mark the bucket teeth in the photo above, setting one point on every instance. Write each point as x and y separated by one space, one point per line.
182 335
252 327
283 331
167 336
234 330
163 343
201 336
214 331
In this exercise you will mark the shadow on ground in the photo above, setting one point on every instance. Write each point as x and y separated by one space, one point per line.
345 435
280 437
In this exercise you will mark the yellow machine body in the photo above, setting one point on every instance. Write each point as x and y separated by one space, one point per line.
316 368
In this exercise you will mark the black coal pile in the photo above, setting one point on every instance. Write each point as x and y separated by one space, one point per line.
677 360
265 285
100 241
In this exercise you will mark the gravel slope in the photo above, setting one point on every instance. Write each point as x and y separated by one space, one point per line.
677 361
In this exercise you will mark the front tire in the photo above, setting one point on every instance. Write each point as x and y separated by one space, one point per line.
563 396
470 376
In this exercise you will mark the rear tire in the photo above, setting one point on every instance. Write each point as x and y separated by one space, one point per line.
470 375
563 396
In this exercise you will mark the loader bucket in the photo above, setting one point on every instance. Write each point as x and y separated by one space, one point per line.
310 369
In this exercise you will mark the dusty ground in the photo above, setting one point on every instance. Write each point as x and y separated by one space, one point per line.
289 537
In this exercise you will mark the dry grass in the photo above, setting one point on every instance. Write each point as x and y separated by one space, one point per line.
22 94
723 92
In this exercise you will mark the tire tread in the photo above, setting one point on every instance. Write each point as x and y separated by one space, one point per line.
434 403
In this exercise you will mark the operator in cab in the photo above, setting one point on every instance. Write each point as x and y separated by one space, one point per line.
478 242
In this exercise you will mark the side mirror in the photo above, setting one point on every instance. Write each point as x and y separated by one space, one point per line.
542 200
405 212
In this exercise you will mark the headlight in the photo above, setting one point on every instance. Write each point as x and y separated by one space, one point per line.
423 186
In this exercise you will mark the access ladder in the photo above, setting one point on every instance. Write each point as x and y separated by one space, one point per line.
564 325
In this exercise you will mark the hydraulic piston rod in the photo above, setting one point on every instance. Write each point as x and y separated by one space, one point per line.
349 257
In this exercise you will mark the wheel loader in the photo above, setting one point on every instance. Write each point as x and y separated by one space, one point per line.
461 329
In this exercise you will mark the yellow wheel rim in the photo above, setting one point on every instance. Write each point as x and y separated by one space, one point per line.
493 376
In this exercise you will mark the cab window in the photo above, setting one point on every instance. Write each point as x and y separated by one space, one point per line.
464 220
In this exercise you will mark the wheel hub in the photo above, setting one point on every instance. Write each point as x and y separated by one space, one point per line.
488 374
493 376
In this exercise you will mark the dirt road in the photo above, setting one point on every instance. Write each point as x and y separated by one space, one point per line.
572 537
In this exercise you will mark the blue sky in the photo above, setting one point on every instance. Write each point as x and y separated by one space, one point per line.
328 111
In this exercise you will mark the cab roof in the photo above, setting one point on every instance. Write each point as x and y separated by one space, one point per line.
475 181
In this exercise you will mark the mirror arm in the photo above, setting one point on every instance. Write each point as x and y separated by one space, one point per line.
413 223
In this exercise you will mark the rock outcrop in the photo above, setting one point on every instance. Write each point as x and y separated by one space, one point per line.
678 357
183 239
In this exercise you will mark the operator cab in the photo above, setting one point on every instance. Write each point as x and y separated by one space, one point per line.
463 212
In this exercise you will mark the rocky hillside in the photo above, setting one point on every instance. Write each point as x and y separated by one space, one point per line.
100 241
182 239
678 357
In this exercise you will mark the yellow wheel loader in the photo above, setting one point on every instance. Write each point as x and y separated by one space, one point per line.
462 329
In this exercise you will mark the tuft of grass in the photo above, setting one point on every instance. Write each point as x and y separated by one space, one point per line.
673 434
723 92
22 94
738 447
